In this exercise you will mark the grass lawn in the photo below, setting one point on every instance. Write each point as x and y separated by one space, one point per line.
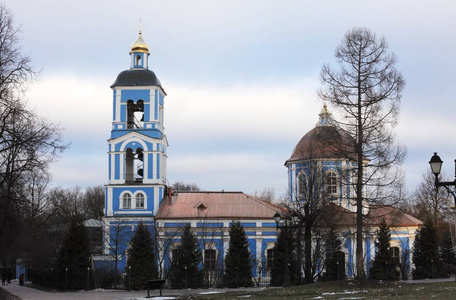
346 290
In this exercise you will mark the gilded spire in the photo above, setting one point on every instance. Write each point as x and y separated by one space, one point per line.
139 45
325 117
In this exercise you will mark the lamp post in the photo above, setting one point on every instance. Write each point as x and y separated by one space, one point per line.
88 278
129 277
436 166
288 223
186 282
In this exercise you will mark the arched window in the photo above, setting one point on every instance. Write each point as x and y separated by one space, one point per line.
126 201
139 200
302 185
138 60
331 183
210 259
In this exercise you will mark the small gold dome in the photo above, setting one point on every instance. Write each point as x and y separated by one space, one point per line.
139 45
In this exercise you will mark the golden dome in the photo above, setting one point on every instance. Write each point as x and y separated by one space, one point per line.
139 45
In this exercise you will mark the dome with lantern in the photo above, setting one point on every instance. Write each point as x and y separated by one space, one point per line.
325 141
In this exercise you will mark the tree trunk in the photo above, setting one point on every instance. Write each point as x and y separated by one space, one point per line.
359 189
308 246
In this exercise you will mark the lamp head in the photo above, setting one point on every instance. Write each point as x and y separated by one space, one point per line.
294 218
277 217
436 164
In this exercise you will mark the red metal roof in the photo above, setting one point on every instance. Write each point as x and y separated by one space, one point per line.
215 205
392 216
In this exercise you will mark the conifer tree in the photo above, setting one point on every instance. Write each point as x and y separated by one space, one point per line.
74 255
141 259
383 266
426 252
280 258
238 266
448 256
186 258
333 245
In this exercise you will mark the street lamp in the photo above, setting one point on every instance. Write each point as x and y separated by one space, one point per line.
289 223
129 277
436 167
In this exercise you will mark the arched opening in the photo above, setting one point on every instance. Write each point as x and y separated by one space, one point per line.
138 60
134 166
130 114
135 114
129 161
139 157
139 114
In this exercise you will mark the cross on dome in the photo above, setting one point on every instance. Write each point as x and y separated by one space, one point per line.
140 45
325 117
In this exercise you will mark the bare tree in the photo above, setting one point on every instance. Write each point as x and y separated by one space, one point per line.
366 88
267 194
431 203
117 235
183 186
27 142
93 202
312 201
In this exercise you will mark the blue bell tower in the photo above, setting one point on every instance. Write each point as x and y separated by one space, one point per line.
137 146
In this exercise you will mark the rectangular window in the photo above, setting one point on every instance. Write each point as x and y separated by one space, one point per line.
395 254
270 258
210 259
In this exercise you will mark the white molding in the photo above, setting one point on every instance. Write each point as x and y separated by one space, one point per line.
133 211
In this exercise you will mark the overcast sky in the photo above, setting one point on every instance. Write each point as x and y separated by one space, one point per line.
241 79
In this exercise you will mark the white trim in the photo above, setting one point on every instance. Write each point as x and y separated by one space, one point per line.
117 103
109 209
144 199
133 211
156 200
121 200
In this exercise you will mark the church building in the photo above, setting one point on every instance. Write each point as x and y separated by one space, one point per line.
138 189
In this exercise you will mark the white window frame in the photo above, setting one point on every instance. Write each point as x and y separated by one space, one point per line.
144 200
331 175
122 200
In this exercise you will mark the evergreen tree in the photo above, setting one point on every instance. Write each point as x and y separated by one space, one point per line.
186 258
280 258
238 266
74 255
448 256
425 252
383 266
141 259
333 245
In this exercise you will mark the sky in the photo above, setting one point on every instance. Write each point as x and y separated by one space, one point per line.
241 78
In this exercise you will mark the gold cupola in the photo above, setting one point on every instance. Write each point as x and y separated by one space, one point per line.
139 45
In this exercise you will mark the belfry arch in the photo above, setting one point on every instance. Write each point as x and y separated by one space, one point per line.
135 114
134 166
